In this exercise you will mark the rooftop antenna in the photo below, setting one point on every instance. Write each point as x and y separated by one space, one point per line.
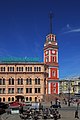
51 16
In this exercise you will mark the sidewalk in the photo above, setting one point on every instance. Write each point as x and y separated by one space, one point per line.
68 115
5 116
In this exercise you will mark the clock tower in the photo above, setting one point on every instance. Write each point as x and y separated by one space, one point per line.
51 59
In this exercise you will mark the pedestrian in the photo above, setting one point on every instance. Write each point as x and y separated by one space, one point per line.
55 116
76 114
51 103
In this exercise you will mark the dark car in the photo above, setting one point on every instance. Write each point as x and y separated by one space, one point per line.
3 105
55 106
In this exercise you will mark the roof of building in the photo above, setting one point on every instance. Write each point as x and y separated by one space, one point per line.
17 60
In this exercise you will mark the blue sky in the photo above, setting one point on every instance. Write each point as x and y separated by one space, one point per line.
24 25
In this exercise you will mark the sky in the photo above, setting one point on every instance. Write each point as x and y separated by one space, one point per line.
24 25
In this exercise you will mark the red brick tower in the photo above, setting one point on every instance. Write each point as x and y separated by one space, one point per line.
51 59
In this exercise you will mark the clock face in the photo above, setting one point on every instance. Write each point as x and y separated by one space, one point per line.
53 51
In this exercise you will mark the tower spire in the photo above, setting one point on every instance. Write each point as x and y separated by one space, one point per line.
51 16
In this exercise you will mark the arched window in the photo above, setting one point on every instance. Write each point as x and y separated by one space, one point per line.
2 81
35 99
3 99
20 81
30 98
26 98
11 81
37 81
28 81
0 99
9 99
12 98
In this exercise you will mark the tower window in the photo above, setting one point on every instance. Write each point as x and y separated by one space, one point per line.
54 90
54 84
53 59
53 73
47 59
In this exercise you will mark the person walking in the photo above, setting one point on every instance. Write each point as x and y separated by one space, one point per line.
76 114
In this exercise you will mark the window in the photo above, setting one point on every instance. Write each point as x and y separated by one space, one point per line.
20 81
2 81
29 69
35 99
37 69
53 59
37 90
28 90
54 90
52 38
12 98
11 81
19 90
37 81
10 90
34 68
28 81
26 98
30 98
19 68
53 73
47 59
25 68
3 99
54 84
2 90
9 99
79 83
2 69
11 69
0 99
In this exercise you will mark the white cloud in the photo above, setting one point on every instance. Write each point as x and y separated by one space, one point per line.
75 30
68 29
72 31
